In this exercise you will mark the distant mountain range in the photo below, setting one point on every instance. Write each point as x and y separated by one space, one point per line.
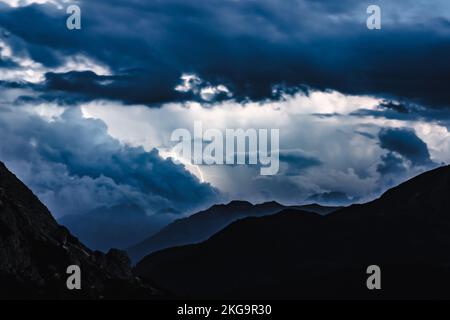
200 226
35 252
299 254
114 227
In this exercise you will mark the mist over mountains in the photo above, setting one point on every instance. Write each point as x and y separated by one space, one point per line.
114 227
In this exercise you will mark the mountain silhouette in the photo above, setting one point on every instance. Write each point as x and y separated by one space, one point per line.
297 254
114 227
35 253
202 225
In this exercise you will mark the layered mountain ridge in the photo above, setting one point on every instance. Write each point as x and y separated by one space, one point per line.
204 224
241 250
302 255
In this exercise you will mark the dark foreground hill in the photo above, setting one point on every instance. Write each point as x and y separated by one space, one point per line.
202 225
296 254
35 253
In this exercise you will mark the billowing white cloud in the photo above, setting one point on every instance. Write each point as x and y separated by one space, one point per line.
74 166
320 125
24 3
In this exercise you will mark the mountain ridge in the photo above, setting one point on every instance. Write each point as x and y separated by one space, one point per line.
292 254
35 253
202 225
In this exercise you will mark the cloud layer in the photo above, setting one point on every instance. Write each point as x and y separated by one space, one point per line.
75 166
86 116
247 46
324 146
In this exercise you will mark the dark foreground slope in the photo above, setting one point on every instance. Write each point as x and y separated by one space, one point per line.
202 225
296 254
35 253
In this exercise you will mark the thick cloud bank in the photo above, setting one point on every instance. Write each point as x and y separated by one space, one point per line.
248 46
75 166
86 115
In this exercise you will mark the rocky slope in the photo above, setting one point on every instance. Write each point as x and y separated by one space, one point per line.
35 252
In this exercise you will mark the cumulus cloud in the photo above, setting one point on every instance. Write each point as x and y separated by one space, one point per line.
406 154
337 153
191 83
357 110
75 166
405 142
23 3
297 161
392 164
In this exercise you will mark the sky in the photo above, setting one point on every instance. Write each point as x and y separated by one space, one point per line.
86 115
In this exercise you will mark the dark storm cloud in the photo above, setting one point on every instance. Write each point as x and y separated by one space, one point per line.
250 46
406 154
398 107
391 164
75 166
297 162
407 112
405 143
131 87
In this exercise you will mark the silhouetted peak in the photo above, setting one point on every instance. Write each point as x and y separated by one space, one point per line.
35 251
272 203
436 180
297 254
232 205
239 203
